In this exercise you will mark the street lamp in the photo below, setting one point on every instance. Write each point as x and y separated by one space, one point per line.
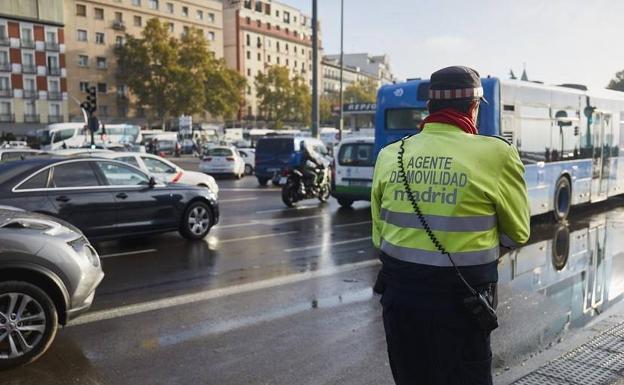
341 123
315 97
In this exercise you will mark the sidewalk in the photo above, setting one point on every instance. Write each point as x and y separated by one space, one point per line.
600 361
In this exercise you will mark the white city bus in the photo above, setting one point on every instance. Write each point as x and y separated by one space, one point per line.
72 135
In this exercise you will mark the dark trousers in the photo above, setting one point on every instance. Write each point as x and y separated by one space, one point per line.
431 340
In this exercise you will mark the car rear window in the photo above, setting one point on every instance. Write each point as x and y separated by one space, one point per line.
219 152
275 146
39 180
75 174
356 154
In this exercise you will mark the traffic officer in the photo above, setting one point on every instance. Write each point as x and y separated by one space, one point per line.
471 192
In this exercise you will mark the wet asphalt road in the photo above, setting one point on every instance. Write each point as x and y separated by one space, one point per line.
283 296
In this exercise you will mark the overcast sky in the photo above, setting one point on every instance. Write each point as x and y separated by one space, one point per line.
561 41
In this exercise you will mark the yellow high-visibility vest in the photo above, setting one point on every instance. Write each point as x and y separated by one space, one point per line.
470 188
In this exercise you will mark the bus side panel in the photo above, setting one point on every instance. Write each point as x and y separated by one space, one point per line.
489 113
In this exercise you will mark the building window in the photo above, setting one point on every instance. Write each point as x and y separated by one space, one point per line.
136 3
248 55
170 7
199 15
248 40
268 58
27 35
247 4
185 11
102 88
287 62
83 60
118 17
248 72
259 23
119 41
100 38
248 90
54 86
54 109
277 46
50 37
276 13
81 35
5 111
259 56
4 60
286 47
84 86
278 60
101 63
286 17
267 9
81 10
138 21
258 6
286 30
98 13
259 42
185 30
268 25
211 17
247 20
53 65
153 4
5 84
30 108
211 36
170 27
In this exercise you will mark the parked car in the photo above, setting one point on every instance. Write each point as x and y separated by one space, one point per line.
48 276
164 170
9 154
278 155
223 160
167 147
249 156
354 166
107 199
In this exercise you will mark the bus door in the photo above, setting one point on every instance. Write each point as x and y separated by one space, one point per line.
601 138
594 287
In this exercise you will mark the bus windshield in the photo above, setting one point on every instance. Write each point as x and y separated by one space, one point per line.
405 118
45 137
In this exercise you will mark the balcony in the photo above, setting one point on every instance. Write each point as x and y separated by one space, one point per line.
27 43
51 46
6 93
7 118
119 25
31 94
54 71
55 95
55 118
5 66
29 68
4 40
31 118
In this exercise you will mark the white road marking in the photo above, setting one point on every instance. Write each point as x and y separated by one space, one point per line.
128 253
185 299
352 224
238 200
256 237
268 222
237 225
327 244
285 208
250 189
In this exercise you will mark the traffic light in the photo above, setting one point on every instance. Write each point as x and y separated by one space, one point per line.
90 104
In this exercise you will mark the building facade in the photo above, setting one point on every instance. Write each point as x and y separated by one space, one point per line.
263 33
376 66
33 77
330 76
95 27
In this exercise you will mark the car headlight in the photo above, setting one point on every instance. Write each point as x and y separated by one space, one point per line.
47 227
82 247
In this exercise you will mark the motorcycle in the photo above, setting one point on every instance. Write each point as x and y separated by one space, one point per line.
297 188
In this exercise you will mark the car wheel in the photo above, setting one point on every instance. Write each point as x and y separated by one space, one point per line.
345 202
263 181
28 323
248 169
197 221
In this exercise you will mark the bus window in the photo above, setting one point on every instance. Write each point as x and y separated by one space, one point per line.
405 118
62 135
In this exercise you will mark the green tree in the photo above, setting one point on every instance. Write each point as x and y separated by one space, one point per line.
178 76
327 102
281 98
363 91
617 83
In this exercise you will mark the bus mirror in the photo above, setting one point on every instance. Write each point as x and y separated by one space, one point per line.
588 111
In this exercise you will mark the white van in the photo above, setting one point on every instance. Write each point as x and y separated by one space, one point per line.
354 166
73 135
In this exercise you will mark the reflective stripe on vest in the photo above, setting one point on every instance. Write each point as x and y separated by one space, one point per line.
439 222
435 258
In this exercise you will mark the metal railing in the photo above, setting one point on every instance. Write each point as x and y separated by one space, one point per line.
29 68
6 93
31 118
54 71
55 95
4 40
7 118
27 43
31 94
119 25
5 66
55 118
52 46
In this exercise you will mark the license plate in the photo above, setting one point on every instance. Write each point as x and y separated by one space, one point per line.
359 183
283 180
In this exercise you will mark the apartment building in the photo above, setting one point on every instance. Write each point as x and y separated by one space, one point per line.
262 33
374 65
330 76
33 77
95 27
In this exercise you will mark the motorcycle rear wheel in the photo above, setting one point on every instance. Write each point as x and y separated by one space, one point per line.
288 194
324 194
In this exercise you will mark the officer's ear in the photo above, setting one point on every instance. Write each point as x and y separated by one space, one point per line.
473 112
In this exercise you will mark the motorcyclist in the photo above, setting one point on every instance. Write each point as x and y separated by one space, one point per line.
310 162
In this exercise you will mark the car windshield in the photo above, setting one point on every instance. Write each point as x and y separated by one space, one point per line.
356 154
219 152
275 146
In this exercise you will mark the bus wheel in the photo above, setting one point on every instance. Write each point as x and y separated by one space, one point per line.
563 199
561 247
345 202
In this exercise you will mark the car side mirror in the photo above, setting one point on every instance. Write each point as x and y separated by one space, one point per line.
152 182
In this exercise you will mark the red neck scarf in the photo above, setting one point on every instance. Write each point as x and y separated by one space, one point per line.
451 116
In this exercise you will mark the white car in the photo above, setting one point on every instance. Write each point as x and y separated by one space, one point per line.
163 169
249 156
225 160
